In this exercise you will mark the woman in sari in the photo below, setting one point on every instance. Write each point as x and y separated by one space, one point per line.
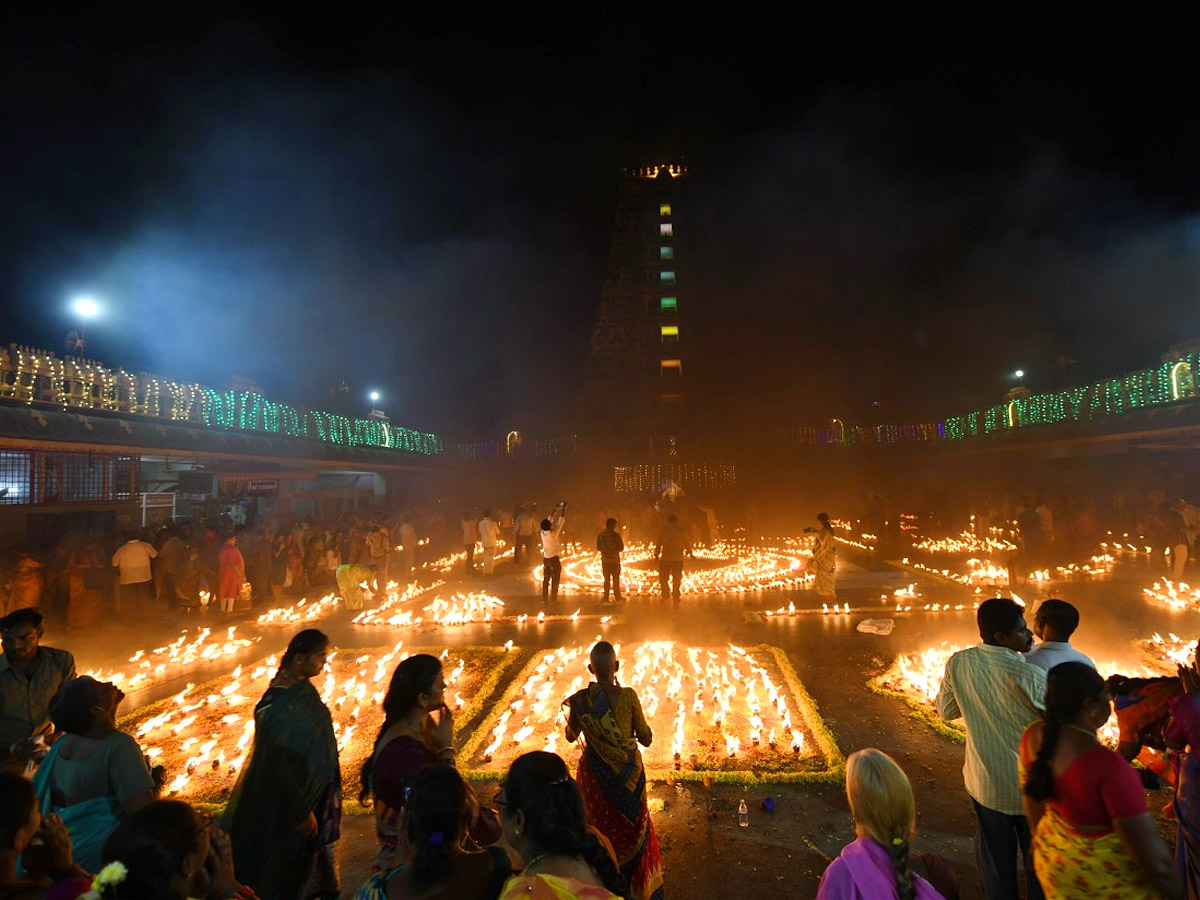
1182 732
285 814
168 851
438 865
610 775
544 822
1093 836
47 859
29 578
823 564
878 865
94 775
417 734
85 600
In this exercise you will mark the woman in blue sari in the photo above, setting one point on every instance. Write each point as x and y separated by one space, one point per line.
94 775
284 818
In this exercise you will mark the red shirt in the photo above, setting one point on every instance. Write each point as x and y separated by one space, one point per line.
1096 788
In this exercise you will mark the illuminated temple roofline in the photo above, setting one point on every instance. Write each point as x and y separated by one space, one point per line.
675 170
38 377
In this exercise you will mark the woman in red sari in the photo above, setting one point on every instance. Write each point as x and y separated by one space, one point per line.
611 777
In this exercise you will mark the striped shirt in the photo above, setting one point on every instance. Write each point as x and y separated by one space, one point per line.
997 694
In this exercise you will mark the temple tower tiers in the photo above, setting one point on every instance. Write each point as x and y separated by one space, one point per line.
637 371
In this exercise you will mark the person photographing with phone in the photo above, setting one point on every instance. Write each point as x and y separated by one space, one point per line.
551 551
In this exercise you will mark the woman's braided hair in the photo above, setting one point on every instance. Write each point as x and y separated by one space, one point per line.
413 677
881 801
1068 685
539 785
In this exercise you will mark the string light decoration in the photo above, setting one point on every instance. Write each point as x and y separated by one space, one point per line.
38 376
1169 382
653 476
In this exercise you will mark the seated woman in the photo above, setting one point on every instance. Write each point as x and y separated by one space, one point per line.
1092 834
20 822
417 734
170 853
541 811
438 867
876 866
94 774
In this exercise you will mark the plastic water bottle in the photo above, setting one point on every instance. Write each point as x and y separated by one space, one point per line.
743 813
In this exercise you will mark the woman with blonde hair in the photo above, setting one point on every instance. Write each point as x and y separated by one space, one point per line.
876 865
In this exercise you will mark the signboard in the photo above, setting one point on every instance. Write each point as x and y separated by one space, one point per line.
262 487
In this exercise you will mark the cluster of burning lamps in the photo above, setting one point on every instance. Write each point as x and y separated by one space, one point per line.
672 681
737 569
1174 594
967 542
163 663
902 599
475 607
228 711
918 674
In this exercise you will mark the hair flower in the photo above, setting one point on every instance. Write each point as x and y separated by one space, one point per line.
112 874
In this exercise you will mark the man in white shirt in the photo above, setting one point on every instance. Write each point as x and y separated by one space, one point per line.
998 695
551 549
1054 623
489 537
135 590
524 529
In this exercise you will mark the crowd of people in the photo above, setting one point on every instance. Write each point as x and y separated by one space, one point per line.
1044 788
81 813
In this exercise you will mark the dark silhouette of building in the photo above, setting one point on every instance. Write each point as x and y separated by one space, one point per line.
635 395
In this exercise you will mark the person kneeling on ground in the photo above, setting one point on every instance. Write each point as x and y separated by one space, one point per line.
878 865
438 866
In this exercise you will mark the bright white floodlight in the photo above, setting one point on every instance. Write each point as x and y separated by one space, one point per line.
374 395
86 307
1020 373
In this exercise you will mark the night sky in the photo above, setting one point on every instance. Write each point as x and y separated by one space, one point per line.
890 215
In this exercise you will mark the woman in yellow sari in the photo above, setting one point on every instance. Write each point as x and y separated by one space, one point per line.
1093 837
611 778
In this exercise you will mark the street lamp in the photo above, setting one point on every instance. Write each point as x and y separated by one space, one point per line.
1020 373
86 308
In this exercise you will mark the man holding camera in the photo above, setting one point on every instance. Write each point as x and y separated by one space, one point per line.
551 548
